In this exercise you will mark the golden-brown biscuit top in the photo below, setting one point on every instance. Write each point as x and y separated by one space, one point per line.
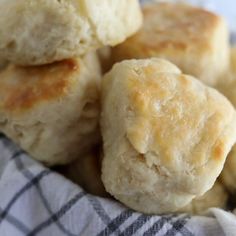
227 85
173 27
163 112
22 88
172 114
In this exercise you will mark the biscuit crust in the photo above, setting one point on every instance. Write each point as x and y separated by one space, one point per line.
40 32
228 88
194 39
166 135
52 111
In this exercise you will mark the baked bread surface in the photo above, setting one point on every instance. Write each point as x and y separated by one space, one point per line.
194 39
166 135
52 111
44 31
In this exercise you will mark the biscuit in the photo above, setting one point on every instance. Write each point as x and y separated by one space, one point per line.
229 88
228 175
215 197
86 172
192 38
52 111
165 135
44 31
227 84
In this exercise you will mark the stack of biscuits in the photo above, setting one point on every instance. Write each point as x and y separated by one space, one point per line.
50 89
126 101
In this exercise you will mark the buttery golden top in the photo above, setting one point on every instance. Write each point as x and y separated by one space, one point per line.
194 23
192 38
21 88
169 26
170 110
52 111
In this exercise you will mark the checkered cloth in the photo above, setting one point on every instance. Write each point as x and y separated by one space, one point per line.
37 201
